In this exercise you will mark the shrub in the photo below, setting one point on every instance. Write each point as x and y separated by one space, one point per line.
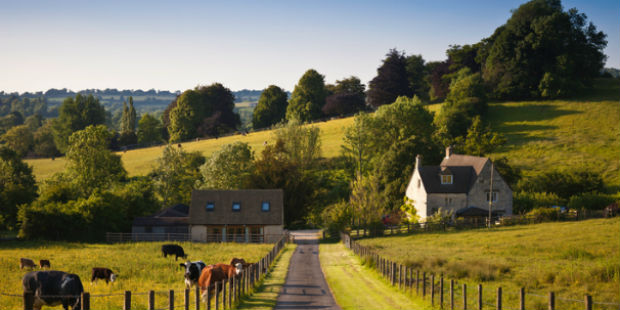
563 183
336 217
544 214
524 202
590 201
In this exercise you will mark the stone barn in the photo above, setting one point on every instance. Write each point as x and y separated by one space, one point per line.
251 215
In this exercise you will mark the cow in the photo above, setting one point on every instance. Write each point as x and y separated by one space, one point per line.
173 249
104 274
26 263
44 263
230 270
209 277
242 261
192 272
53 288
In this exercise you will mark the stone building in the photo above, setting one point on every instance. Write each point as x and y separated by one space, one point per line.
254 215
462 184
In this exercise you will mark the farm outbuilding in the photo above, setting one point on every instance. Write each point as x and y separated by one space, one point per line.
251 215
172 220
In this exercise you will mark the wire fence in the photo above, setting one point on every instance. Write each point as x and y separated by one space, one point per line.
222 295
453 294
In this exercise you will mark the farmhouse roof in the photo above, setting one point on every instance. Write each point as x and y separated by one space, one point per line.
250 203
172 216
462 179
465 160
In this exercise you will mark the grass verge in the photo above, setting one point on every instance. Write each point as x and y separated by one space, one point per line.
355 286
266 295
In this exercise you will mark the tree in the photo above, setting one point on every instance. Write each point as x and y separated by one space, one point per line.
44 140
149 130
391 81
301 144
438 81
356 147
271 107
228 168
346 97
76 114
366 200
176 174
128 124
480 140
90 165
542 50
17 187
416 73
307 98
19 138
34 122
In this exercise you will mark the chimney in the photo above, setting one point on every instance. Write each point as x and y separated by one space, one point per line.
418 161
448 151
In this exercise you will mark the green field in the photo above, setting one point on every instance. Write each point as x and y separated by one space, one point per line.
570 258
140 267
541 136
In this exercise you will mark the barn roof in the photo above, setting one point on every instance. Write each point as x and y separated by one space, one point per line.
250 201
173 216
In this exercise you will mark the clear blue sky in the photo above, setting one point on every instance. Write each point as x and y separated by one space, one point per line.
177 45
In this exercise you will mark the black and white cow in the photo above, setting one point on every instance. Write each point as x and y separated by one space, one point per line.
173 249
53 288
192 272
104 274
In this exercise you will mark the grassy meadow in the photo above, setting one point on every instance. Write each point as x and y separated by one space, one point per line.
140 267
541 136
569 258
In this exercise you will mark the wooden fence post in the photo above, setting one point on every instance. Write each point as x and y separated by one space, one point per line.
479 296
208 302
522 298
187 302
151 301
127 305
85 299
451 294
400 276
499 298
441 291
588 301
423 284
230 292
217 296
433 289
551 301
417 282
223 294
197 297
464 296
171 300
28 301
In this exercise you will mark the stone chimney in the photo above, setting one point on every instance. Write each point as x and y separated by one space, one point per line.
418 161
448 151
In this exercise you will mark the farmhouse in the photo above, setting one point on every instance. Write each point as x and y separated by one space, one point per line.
462 184
255 215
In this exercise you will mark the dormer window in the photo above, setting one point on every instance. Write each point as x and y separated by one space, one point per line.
446 179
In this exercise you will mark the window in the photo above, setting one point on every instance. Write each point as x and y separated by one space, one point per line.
419 183
494 196
236 206
210 206
446 179
266 206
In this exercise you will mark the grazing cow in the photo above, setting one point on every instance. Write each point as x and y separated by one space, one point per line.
230 270
26 263
173 249
241 261
209 277
53 288
192 272
104 274
44 263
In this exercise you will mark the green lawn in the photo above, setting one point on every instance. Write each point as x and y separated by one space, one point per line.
140 267
358 287
266 295
570 258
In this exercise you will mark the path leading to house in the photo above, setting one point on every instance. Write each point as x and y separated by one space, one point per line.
356 286
305 286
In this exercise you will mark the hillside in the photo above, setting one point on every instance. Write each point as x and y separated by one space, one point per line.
542 136
570 258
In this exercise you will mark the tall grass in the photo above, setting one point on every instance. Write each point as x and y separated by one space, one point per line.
140 267
569 258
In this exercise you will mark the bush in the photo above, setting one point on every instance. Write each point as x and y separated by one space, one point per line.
590 201
544 214
336 217
524 202
563 183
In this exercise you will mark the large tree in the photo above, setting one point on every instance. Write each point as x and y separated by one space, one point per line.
543 50
76 114
271 107
228 168
176 174
17 186
308 97
149 130
391 81
19 138
347 97
44 141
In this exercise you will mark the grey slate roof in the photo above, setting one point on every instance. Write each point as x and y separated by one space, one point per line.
462 178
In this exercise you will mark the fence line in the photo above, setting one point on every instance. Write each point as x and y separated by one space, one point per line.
228 292
112 237
433 289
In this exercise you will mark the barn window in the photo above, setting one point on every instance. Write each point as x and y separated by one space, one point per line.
266 206
446 179
494 196
210 206
236 206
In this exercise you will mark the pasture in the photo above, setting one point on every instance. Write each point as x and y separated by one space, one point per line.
570 258
140 267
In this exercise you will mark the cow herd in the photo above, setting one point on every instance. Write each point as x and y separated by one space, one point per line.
52 288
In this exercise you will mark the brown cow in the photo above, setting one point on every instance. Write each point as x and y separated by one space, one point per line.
230 270
210 276
241 261
26 262
44 263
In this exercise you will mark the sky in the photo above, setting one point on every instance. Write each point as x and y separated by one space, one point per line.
177 45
